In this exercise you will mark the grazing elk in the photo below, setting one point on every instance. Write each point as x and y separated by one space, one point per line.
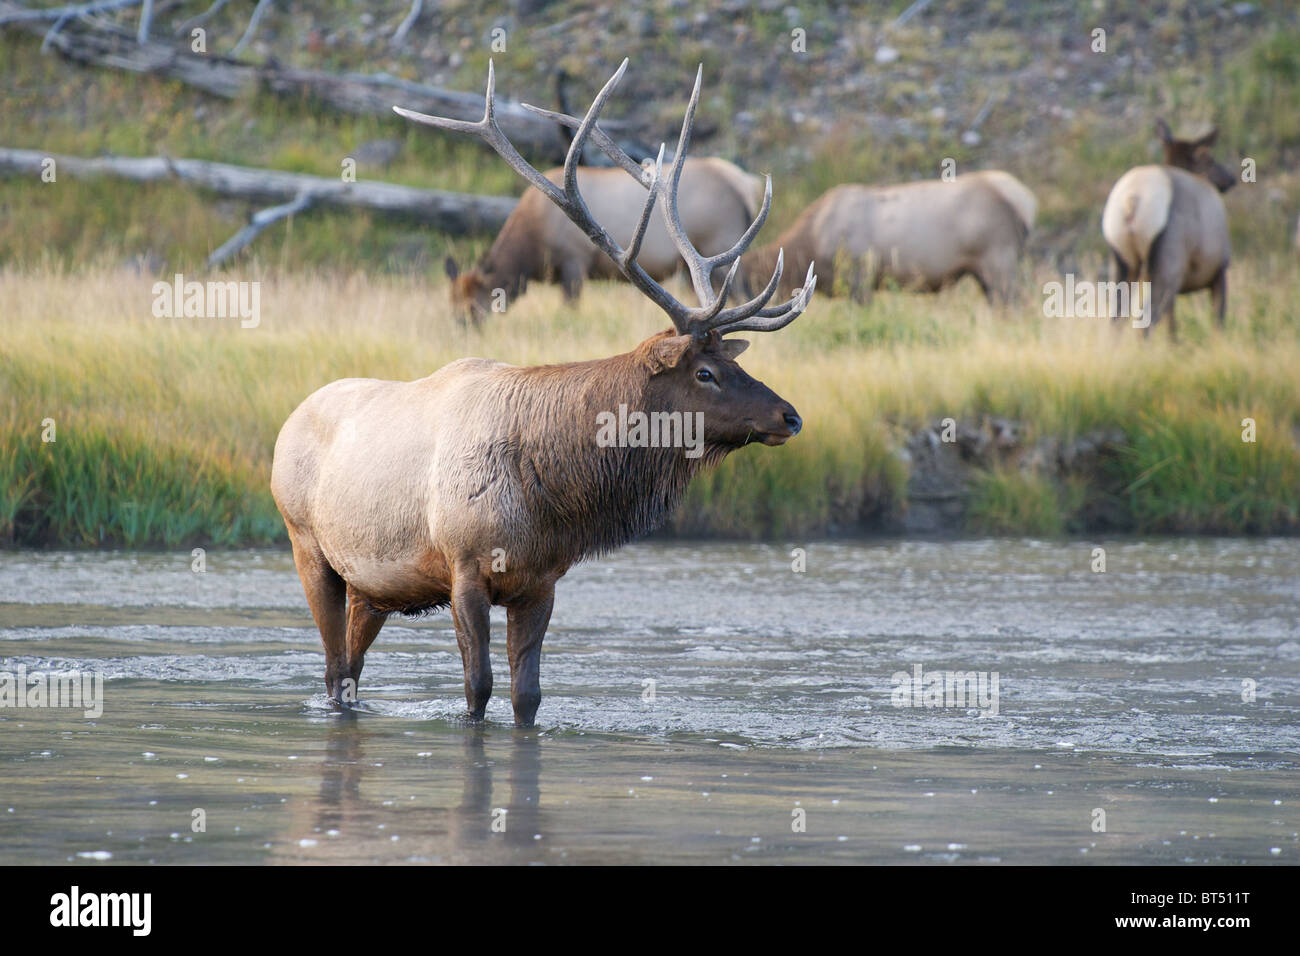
1167 225
538 242
923 235
483 483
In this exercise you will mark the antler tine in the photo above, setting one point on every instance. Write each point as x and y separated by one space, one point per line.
777 317
710 315
604 142
735 252
574 157
805 293
754 305
634 247
696 264
487 130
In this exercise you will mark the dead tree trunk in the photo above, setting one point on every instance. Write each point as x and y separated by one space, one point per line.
455 213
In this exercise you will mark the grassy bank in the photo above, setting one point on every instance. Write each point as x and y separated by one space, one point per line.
165 427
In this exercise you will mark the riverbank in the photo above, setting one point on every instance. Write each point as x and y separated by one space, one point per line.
163 428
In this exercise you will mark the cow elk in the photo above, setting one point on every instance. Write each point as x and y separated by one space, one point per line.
539 242
483 483
1167 225
924 236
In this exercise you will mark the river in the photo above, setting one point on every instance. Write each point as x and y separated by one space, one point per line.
701 703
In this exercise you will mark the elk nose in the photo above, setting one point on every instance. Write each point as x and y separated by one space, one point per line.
794 421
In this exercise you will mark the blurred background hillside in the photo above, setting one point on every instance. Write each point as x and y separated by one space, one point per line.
869 101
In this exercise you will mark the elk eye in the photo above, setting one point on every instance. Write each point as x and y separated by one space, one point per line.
704 375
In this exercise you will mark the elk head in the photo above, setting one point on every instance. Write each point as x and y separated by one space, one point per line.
692 367
702 375
1194 156
473 292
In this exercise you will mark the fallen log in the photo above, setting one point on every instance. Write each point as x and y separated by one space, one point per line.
230 78
454 213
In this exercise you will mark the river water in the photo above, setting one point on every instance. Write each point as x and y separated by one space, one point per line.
701 703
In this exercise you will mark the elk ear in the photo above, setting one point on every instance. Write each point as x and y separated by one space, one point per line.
453 270
1163 132
667 353
733 347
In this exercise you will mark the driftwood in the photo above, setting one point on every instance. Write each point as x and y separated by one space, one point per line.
230 78
455 213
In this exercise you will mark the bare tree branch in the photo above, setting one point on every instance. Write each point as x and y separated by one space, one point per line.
253 22
146 21
910 12
202 18
260 221
416 8
58 25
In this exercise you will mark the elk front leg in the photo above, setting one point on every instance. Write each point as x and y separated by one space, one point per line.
526 626
470 608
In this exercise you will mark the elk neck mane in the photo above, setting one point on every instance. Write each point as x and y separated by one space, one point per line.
585 499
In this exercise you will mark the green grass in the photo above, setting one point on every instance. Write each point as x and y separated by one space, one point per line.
1009 501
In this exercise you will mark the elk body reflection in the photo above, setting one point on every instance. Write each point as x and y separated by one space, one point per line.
496 817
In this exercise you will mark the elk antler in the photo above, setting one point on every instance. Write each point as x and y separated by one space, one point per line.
754 315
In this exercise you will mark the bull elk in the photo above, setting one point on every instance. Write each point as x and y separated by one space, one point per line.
924 235
538 242
483 483
1167 225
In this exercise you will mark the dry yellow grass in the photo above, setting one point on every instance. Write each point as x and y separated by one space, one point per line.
165 427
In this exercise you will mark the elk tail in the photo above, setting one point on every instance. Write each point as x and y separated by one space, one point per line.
1016 194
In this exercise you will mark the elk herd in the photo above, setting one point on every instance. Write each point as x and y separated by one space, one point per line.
483 483
1164 225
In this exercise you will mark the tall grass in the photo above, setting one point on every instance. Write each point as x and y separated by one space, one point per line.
165 427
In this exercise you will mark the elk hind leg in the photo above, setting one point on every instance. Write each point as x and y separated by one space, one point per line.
363 627
526 626
1219 296
996 275
470 607
572 275
327 598
1166 279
